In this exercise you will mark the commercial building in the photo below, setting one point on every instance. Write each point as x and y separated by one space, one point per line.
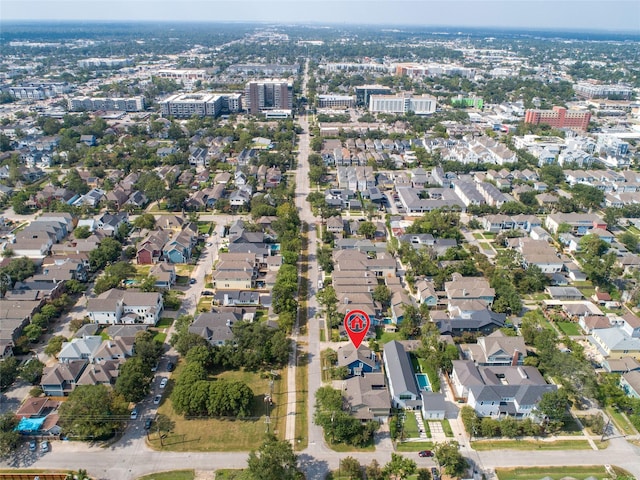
332 101
467 102
186 105
613 92
365 91
186 77
132 104
264 95
402 103
104 62
559 117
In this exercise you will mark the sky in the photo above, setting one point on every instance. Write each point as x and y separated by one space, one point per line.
602 15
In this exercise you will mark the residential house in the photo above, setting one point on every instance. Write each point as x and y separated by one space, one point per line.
426 293
150 249
630 383
215 327
496 349
367 397
125 306
165 275
434 406
402 383
358 361
79 348
178 249
60 379
499 391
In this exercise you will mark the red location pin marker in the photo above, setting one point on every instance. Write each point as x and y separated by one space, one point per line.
357 324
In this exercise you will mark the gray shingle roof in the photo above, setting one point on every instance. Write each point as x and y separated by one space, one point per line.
399 371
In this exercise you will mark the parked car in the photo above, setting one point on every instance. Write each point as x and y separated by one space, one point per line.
192 281
156 399
44 446
163 382
207 293
425 453
134 413
170 367
33 445
434 473
147 423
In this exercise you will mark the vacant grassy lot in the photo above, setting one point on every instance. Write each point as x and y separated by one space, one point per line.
172 475
482 445
536 473
226 434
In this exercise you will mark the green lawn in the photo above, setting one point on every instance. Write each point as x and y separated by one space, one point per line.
173 475
385 337
160 337
230 475
205 227
482 445
478 236
164 322
446 428
633 229
411 426
536 473
621 421
414 446
569 328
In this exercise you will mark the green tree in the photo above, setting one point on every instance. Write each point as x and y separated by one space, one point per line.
133 380
367 229
629 240
8 372
92 411
553 405
82 232
449 456
55 344
9 436
350 467
373 471
400 467
274 460
32 371
32 332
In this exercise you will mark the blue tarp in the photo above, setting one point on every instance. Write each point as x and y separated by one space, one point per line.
30 424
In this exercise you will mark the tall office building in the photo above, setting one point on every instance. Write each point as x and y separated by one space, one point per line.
559 117
365 91
264 95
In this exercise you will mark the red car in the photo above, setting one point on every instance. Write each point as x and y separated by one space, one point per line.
425 453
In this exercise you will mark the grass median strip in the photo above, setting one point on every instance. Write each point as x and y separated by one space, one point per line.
556 473
482 445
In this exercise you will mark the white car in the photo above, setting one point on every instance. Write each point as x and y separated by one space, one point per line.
156 399
163 382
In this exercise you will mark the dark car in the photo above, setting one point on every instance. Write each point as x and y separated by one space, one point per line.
425 453
170 367
207 293
147 423
33 445
434 473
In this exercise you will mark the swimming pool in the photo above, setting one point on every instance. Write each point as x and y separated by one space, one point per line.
423 382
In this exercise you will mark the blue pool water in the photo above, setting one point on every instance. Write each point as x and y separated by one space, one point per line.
423 382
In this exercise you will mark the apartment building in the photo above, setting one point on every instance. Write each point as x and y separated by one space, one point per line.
265 95
402 103
559 117
185 105
131 104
